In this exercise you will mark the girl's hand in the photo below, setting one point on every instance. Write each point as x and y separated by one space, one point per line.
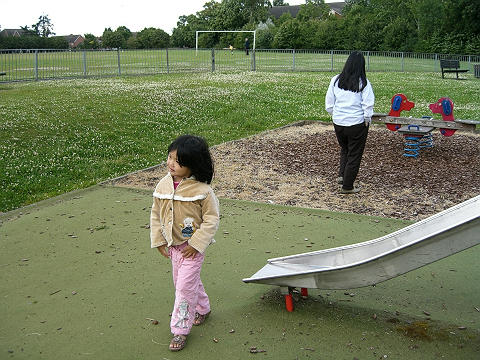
189 251
163 250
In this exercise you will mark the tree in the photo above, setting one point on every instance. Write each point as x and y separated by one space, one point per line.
27 31
461 16
117 38
184 34
55 42
363 24
125 33
329 34
399 25
132 42
151 38
90 42
231 16
43 27
286 16
399 35
235 14
313 9
209 15
265 33
288 35
207 19
427 17
110 39
256 10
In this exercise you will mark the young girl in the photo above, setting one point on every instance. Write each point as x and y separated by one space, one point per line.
350 100
183 221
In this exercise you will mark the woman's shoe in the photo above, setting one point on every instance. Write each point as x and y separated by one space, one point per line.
351 191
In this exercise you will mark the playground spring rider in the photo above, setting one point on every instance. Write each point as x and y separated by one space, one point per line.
417 137
399 103
444 106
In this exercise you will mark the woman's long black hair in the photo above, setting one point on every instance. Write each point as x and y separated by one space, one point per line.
193 152
352 77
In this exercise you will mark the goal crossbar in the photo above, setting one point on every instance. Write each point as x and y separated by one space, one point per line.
223 31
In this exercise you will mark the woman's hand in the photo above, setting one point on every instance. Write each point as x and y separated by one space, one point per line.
163 250
189 251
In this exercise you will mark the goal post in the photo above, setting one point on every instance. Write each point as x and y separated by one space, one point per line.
223 31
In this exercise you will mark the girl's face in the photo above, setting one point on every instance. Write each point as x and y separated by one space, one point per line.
177 171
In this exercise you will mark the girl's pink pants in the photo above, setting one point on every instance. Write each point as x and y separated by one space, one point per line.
190 295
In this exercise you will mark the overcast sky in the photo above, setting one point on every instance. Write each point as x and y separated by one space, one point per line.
93 16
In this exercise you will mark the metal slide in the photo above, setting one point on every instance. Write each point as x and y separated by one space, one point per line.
374 261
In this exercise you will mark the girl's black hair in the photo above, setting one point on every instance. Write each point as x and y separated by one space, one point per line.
352 77
193 152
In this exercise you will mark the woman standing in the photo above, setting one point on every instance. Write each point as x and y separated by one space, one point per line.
350 101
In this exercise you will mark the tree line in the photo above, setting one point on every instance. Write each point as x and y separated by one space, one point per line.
434 26
41 36
38 36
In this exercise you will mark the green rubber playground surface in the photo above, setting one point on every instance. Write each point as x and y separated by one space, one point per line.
79 281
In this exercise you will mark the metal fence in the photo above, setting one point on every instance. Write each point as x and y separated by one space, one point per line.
43 64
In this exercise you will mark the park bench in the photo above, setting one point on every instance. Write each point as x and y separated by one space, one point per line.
451 66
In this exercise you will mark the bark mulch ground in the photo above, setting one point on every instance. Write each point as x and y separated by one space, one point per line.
297 166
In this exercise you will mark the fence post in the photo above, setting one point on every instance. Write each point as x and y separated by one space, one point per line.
293 65
168 65
213 60
36 65
118 57
368 60
84 63
403 62
331 60
254 64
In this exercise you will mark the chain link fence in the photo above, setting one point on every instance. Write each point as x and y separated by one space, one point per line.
44 64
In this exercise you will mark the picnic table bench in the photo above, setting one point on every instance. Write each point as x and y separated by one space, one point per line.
451 66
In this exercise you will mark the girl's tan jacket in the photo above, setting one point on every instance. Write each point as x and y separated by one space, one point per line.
189 213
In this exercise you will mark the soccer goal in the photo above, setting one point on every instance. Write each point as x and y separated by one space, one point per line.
222 31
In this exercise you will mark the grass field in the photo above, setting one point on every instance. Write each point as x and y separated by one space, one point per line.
58 136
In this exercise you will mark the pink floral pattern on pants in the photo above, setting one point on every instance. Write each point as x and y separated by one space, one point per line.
190 295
